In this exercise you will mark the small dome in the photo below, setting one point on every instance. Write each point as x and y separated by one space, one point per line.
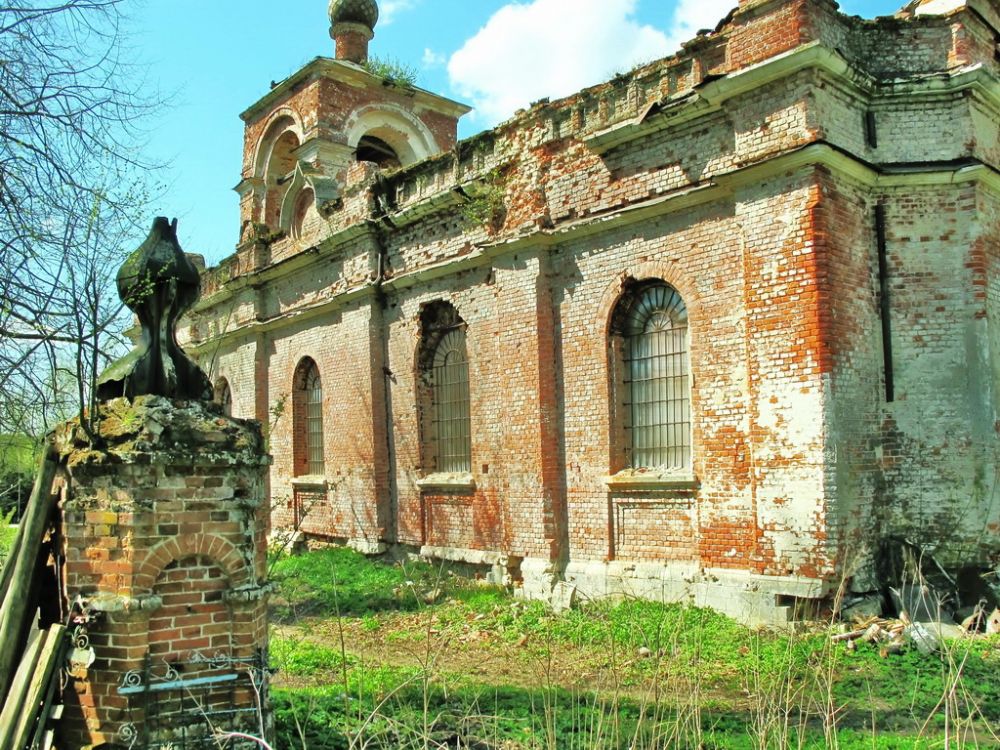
354 11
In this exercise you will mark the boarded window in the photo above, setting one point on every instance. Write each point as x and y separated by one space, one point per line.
657 381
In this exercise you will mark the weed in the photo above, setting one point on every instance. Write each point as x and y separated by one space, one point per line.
304 658
338 579
392 71
486 204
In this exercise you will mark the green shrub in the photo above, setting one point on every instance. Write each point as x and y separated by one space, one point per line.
7 533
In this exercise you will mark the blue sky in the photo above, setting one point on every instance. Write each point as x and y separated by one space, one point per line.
210 59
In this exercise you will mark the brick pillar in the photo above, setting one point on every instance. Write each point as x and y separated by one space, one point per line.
164 537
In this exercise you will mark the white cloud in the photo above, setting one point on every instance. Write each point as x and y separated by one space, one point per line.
550 48
691 16
432 59
389 9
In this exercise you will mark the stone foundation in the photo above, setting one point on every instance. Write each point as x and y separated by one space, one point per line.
750 598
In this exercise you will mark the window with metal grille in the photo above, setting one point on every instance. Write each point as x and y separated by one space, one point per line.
657 384
314 420
307 413
449 381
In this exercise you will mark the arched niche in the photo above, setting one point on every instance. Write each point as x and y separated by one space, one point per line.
304 212
300 203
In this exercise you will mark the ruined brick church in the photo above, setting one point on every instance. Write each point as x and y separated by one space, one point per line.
709 331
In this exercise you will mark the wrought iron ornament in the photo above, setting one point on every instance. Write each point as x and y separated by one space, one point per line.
193 703
159 284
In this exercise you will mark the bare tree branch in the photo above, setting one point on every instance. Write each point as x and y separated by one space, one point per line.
71 189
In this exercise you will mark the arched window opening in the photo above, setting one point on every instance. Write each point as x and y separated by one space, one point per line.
308 420
450 384
280 170
224 396
446 409
653 323
376 150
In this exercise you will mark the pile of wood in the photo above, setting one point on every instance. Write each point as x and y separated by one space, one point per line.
30 652
893 635
32 691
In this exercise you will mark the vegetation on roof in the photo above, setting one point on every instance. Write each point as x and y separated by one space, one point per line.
391 71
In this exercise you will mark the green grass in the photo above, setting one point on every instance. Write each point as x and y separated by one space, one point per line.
340 581
391 70
719 683
912 683
403 712
304 658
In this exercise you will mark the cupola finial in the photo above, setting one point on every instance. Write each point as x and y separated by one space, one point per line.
352 26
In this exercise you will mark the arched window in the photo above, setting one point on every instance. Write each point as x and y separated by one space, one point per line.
371 148
307 416
450 387
224 396
653 323
445 376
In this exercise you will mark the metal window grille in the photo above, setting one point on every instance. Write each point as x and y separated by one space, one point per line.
450 398
314 421
657 379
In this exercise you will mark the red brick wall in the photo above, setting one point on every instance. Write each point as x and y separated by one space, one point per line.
759 209
355 444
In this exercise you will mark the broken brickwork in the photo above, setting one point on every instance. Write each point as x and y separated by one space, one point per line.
821 190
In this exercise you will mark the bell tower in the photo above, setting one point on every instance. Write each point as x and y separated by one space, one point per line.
305 139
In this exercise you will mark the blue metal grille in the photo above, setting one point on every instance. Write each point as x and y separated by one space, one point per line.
193 703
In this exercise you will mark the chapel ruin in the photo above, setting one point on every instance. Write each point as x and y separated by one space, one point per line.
713 330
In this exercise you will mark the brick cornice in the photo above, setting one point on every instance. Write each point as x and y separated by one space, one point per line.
720 187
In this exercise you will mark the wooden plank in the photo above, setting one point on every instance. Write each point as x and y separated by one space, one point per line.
51 711
14 703
13 611
42 484
39 685
8 564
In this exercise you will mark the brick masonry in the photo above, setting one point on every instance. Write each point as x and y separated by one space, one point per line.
164 536
747 172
